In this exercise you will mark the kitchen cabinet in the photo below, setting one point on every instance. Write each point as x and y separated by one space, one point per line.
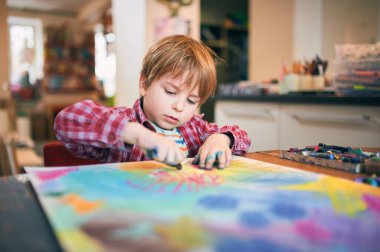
284 125
260 120
339 125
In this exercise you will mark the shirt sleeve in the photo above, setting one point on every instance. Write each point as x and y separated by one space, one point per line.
87 126
241 141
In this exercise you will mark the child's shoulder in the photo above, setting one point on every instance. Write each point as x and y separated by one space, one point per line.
197 120
198 117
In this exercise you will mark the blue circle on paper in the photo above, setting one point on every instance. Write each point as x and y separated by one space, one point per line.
253 219
219 202
288 211
232 244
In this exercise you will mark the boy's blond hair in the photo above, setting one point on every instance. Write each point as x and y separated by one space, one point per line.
179 55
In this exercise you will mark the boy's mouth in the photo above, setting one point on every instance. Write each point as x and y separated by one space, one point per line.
170 119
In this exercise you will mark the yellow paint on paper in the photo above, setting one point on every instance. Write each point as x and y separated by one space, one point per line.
75 240
183 234
345 196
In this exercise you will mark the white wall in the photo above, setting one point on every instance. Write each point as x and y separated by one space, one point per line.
156 11
299 29
308 29
4 58
134 29
129 20
349 21
270 37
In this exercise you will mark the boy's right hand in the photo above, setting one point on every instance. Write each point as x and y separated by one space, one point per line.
167 151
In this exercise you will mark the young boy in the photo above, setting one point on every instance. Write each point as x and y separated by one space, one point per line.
177 76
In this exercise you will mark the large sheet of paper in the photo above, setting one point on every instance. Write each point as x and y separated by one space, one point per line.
251 206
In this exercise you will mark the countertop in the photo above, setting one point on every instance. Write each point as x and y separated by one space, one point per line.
326 99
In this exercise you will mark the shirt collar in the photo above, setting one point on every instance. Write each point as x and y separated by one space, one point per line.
140 113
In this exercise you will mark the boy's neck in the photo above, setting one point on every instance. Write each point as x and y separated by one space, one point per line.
156 126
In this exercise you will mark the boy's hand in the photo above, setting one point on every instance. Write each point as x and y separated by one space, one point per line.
215 151
166 150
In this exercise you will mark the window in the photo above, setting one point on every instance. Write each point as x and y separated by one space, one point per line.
26 51
105 60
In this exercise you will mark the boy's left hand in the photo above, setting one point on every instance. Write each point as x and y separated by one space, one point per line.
214 151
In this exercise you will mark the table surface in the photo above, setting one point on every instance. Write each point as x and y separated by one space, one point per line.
24 226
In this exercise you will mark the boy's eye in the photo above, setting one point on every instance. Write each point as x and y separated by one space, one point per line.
191 102
169 92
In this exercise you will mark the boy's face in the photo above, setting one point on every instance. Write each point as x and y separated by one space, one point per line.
169 102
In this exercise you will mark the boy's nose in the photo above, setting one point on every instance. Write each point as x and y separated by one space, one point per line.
179 105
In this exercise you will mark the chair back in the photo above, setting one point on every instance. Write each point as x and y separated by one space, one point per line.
56 154
8 164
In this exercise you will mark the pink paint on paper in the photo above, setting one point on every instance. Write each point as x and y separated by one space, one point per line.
47 175
312 230
372 202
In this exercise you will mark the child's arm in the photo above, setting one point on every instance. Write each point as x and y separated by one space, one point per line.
167 150
91 130
107 134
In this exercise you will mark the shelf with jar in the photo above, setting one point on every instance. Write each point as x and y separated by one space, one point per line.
69 71
69 65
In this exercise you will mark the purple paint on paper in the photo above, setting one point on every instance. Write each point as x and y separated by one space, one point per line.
353 232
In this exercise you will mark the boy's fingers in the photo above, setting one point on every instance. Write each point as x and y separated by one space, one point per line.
221 158
162 155
228 157
218 159
202 159
170 157
196 160
210 159
179 157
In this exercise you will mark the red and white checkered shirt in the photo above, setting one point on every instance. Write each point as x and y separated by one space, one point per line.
91 130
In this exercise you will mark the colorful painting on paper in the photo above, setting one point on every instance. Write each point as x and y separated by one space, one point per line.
251 206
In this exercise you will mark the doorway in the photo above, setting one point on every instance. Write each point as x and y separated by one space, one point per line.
224 28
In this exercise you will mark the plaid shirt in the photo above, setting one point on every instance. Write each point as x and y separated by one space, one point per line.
94 131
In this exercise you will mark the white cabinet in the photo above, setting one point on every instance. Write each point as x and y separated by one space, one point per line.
281 126
260 120
354 126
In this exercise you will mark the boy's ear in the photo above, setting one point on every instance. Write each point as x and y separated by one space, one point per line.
142 88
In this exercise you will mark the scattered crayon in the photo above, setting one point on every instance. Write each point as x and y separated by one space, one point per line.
368 162
373 181
322 155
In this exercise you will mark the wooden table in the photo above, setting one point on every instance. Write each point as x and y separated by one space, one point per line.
273 156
